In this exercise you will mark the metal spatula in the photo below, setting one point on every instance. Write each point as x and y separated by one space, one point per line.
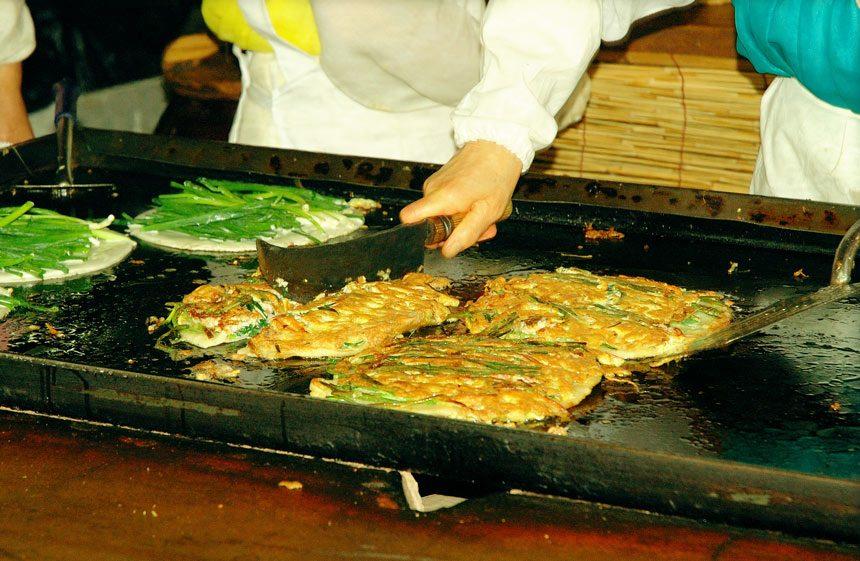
65 116
840 287
309 270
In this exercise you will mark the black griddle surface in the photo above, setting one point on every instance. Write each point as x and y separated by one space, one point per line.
786 398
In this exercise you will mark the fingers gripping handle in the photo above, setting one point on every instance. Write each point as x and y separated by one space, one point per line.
441 227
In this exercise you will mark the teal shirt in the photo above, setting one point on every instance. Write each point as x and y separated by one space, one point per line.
815 41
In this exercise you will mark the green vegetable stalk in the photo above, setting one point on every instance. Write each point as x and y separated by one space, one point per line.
35 240
230 210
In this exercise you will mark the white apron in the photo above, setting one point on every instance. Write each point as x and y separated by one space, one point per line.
391 73
809 148
290 99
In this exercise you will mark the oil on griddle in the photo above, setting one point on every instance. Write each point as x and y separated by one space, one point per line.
786 398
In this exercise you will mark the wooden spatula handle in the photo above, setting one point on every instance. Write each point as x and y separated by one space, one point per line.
442 226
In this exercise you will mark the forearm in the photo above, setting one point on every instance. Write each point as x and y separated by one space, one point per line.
534 55
14 123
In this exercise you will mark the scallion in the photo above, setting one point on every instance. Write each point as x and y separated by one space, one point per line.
35 240
219 209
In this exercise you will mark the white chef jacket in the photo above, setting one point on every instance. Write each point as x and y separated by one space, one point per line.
17 37
532 59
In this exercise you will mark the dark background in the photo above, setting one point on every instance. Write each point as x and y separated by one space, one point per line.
100 43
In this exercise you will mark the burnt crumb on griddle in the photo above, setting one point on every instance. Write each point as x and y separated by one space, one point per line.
594 234
575 255
153 324
214 370
54 332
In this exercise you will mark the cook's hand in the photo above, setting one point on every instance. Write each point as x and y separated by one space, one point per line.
477 182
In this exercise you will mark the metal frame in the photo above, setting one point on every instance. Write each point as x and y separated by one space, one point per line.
96 148
714 489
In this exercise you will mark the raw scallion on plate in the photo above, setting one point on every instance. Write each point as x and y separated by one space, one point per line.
218 209
35 240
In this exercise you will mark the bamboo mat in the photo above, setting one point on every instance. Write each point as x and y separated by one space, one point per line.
662 125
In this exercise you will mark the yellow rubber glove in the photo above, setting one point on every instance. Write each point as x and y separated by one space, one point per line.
293 21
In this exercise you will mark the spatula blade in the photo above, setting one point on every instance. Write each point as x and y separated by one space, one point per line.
772 314
305 271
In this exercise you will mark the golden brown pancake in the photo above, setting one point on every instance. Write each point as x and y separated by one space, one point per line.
620 317
214 313
481 379
363 315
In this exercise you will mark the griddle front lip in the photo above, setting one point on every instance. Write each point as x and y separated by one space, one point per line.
716 490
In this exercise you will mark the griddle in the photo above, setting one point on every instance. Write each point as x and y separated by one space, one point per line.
763 433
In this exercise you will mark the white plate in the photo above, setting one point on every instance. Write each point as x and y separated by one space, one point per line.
178 240
103 256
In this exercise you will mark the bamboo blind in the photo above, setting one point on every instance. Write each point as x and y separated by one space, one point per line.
662 125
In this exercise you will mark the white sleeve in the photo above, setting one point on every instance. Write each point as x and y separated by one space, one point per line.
534 55
619 15
17 37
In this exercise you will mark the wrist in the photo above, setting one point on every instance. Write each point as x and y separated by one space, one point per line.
513 137
503 158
